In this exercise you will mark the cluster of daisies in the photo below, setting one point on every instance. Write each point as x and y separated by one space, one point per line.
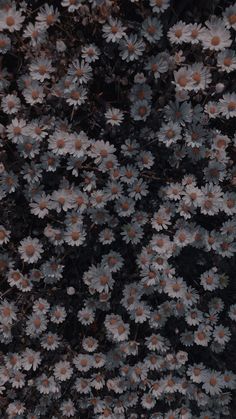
118 203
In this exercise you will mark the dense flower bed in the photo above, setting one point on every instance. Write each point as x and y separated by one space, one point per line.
117 126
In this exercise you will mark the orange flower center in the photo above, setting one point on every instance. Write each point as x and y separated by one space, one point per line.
227 61
215 41
178 33
10 21
232 19
30 250
183 81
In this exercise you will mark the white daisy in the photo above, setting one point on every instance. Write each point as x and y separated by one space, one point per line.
30 359
30 250
212 382
229 16
41 69
114 116
10 104
131 47
11 19
63 370
216 37
227 105
113 31
179 33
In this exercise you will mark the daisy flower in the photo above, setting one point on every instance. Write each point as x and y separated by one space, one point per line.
50 341
80 71
41 205
138 189
83 385
75 235
201 77
212 382
140 110
100 150
141 313
58 314
125 207
229 16
35 34
221 334
5 43
192 195
215 172
10 104
41 69
160 220
169 133
106 236
98 199
212 109
58 143
129 174
226 246
67 407
131 48
229 379
90 53
30 250
36 324
195 32
9 182
99 278
47 16
216 37
178 112
159 6
41 306
227 105
210 280
86 316
8 312
120 332
114 116
183 79
175 288
49 162
113 31
226 60
90 344
30 359
179 33
140 91
202 336
211 200
196 372
193 317
83 362
63 370
152 29
17 130
132 233
46 385
76 96
148 401
11 19
34 93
